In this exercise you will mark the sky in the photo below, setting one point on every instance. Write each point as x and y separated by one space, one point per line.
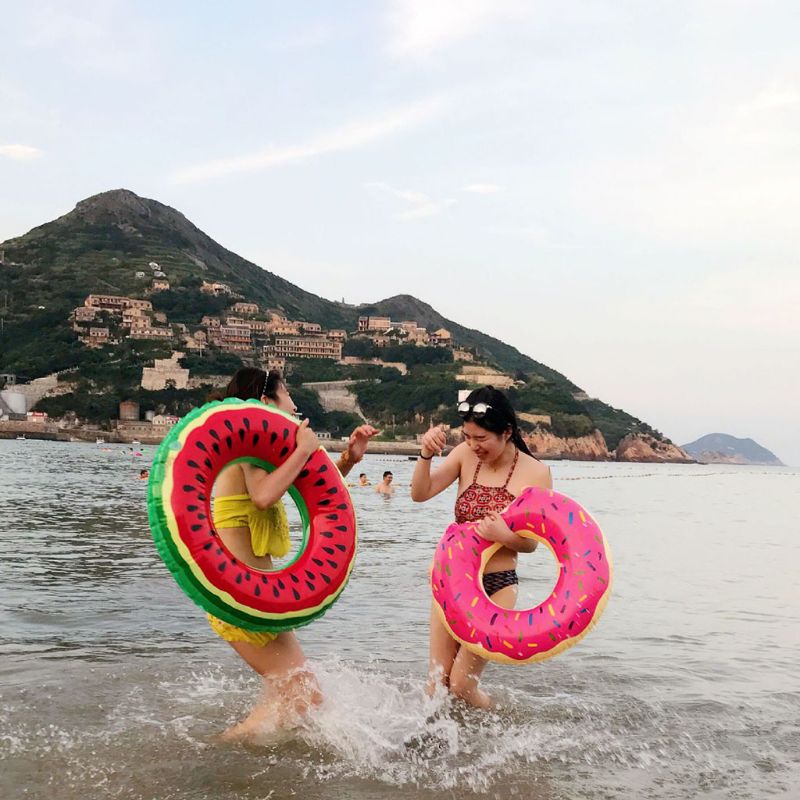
612 187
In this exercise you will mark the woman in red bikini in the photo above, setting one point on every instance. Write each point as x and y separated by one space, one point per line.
492 466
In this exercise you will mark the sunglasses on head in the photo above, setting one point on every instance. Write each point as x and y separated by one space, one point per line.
478 410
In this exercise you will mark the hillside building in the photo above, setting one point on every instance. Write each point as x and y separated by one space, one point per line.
441 338
129 411
304 347
273 362
283 327
210 287
150 331
244 308
96 337
164 371
84 314
374 324
235 338
110 302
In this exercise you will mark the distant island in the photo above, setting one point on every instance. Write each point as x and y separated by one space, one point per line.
721 448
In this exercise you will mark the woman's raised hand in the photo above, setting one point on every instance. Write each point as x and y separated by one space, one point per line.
306 438
433 442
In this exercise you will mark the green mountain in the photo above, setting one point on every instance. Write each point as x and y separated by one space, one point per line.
721 448
101 245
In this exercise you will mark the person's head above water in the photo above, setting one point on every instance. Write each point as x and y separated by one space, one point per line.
251 383
490 423
388 475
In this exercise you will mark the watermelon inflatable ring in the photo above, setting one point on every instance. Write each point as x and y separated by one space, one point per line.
179 509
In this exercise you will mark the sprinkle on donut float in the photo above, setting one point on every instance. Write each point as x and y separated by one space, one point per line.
519 636
182 477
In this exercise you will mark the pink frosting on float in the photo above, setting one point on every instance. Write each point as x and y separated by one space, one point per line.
569 611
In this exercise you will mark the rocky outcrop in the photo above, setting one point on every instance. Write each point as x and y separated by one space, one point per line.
642 447
545 444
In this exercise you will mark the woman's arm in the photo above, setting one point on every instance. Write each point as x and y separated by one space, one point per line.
266 488
426 483
356 447
494 529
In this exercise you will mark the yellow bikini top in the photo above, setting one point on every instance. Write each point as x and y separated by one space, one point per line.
269 529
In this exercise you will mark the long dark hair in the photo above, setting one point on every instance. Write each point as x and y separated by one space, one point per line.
250 383
499 418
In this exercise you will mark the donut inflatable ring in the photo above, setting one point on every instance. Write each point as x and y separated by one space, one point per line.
179 509
519 636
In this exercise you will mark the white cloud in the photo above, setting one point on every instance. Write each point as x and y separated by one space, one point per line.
482 188
418 28
19 152
350 137
421 205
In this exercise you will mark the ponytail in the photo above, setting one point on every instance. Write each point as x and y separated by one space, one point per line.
519 441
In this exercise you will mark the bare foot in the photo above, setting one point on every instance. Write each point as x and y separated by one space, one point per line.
283 706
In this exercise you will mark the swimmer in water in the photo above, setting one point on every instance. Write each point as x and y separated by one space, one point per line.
385 486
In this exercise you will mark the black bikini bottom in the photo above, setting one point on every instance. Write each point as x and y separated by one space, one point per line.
495 581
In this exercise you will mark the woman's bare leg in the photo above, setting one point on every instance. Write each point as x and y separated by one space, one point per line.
443 651
467 667
290 689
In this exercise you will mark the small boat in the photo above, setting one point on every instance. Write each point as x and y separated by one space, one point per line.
136 443
22 438
99 440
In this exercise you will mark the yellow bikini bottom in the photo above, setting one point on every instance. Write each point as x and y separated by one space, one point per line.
230 633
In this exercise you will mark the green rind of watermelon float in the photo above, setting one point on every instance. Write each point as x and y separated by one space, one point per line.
179 509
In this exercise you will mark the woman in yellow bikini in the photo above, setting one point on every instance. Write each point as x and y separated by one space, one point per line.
251 520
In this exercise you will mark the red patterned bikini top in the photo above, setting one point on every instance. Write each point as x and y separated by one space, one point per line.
476 501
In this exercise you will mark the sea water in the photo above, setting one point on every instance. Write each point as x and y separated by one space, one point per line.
113 686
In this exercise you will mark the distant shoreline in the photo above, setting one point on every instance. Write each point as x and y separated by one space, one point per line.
36 431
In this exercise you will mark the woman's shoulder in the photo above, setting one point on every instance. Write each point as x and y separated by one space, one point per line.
464 456
460 449
231 480
534 468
